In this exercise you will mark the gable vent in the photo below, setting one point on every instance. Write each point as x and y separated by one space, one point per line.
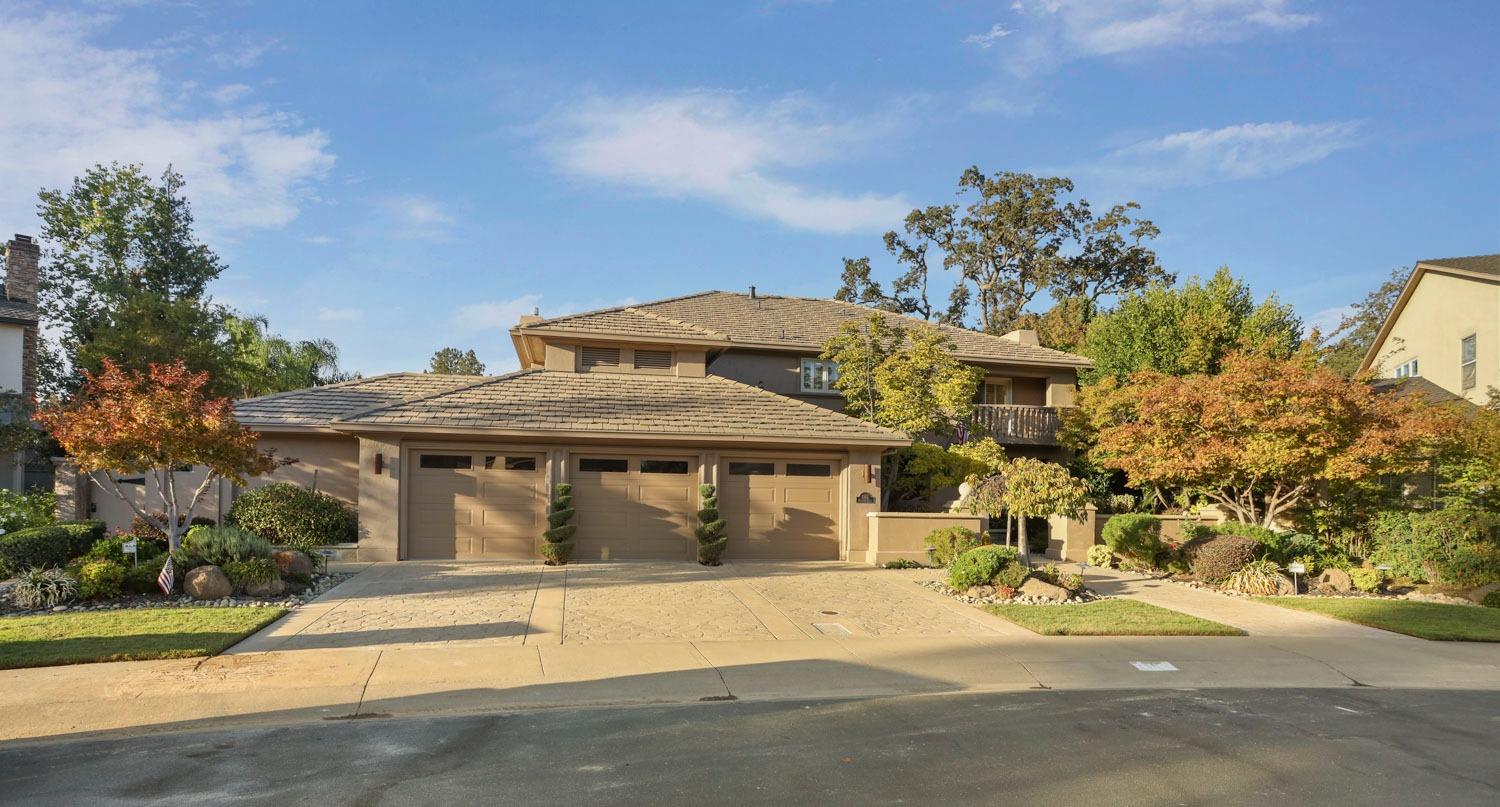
601 357
653 360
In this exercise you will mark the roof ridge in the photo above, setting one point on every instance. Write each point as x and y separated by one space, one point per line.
623 307
483 380
337 384
683 323
945 326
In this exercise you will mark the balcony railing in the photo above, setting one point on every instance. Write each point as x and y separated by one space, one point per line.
1018 425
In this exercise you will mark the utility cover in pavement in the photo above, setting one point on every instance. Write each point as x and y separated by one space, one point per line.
831 628
1154 666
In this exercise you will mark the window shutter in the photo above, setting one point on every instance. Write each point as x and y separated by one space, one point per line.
601 357
653 360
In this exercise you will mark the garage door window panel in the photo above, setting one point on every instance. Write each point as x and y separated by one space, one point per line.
447 461
664 467
509 463
808 469
752 468
603 465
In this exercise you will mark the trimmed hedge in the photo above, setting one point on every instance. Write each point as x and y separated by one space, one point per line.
978 566
289 515
1216 557
53 546
947 543
1134 535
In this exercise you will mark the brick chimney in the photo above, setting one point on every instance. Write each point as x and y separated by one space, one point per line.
22 255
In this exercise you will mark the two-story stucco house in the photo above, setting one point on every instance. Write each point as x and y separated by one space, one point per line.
1445 328
635 407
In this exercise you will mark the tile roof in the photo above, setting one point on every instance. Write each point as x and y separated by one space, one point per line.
316 406
12 310
801 323
622 403
1487 264
1417 387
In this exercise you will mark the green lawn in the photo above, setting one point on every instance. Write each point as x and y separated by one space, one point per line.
127 635
1425 620
1108 618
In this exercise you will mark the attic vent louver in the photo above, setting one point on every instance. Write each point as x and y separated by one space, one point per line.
653 360
601 357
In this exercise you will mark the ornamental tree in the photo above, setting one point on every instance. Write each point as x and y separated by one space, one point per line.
1029 488
154 422
1258 438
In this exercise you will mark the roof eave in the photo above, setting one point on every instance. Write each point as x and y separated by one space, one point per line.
617 336
593 434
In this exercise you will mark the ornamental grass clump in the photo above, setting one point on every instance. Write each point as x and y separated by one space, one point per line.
1260 577
710 530
43 588
558 547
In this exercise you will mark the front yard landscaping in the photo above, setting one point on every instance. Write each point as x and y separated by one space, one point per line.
1425 620
1108 618
126 635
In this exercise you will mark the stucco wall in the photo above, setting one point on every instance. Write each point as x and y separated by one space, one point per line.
11 351
328 463
903 536
777 372
1441 311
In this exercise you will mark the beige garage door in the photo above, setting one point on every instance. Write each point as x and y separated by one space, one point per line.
634 505
782 509
476 505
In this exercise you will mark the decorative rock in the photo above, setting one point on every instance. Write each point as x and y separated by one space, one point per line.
1335 580
271 588
980 592
206 583
1036 588
292 562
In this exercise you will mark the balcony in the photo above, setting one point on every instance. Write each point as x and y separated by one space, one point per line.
1012 424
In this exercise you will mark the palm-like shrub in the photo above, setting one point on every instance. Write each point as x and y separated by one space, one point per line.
558 546
710 530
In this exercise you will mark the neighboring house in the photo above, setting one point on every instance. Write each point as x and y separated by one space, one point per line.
18 340
1445 328
635 407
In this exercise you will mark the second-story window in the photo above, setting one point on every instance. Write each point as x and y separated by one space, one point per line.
995 392
818 375
1407 370
1469 361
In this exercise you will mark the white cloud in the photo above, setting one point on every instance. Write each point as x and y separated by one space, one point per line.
1054 32
988 38
229 93
71 103
248 52
340 315
1327 320
1207 156
318 240
494 314
414 216
714 146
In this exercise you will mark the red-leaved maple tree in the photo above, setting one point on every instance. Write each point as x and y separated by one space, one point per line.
153 423
1259 437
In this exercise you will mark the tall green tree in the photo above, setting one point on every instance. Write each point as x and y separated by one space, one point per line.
266 362
1190 329
1345 346
125 278
452 361
1012 237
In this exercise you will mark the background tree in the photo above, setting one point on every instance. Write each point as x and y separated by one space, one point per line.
1345 346
1190 329
909 381
1028 488
152 422
1258 438
452 361
264 362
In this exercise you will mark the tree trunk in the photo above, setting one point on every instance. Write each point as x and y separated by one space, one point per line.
887 485
1024 550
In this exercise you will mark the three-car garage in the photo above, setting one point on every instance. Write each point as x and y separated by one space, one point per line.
487 503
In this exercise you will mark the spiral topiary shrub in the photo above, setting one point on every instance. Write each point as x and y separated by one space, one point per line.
290 515
557 548
710 530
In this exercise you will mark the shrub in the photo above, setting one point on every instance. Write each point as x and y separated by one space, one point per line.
1261 577
290 515
1216 557
219 546
245 573
1134 535
101 579
558 546
947 543
1011 575
146 531
1101 556
979 565
1446 546
141 579
1491 600
113 548
901 563
1120 503
43 588
710 530
18 511
1071 581
42 547
1367 579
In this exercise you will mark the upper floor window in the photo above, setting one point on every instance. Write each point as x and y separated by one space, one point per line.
1408 370
818 375
1468 361
995 392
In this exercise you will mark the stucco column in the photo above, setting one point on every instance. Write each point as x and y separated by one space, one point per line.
379 498
861 497
1076 535
71 488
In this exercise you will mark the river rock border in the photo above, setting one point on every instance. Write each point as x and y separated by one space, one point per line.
320 585
1082 598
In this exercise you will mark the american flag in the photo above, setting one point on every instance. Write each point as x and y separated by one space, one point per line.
167 578
962 434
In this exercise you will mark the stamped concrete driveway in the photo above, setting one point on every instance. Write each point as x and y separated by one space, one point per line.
421 603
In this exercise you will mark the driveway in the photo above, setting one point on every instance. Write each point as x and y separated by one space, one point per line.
436 602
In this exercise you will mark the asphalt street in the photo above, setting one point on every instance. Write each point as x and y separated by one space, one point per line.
1255 747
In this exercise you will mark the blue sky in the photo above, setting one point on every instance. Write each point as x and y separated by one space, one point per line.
405 178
